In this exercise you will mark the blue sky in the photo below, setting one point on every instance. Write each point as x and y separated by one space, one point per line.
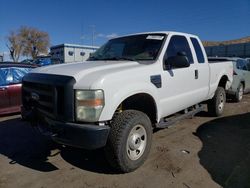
71 21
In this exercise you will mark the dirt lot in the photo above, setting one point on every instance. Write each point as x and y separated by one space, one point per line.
199 152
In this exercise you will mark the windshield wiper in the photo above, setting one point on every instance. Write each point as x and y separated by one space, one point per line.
112 58
118 58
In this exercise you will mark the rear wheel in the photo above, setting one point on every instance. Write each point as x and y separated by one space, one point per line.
129 140
240 92
217 103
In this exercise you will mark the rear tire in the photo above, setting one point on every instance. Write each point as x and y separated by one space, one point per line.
129 140
217 103
239 95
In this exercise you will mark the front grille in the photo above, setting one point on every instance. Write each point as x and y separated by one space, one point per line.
47 100
50 95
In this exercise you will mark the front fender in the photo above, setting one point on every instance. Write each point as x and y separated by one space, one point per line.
114 97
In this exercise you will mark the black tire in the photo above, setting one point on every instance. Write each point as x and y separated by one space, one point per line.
239 94
118 150
217 103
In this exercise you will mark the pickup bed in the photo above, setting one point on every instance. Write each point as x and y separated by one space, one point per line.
128 87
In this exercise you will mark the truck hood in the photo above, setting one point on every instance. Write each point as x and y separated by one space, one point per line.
87 69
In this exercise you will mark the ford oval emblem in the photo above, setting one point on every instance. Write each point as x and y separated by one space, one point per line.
35 96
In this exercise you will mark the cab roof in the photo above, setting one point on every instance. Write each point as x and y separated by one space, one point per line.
160 32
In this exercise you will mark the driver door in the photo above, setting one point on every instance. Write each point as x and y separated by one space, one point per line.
178 90
4 98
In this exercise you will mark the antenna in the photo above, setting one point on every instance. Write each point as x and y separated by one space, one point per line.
93 34
82 37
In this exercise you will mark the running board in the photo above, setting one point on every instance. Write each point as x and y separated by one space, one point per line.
187 113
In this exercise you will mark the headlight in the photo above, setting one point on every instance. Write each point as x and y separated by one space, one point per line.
89 105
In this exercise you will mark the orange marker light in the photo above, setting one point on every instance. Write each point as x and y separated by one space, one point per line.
90 102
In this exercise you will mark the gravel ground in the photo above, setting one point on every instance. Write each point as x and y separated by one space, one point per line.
199 152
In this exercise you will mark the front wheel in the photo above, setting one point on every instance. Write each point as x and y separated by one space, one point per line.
129 140
217 103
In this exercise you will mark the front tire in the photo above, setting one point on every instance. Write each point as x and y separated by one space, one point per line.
129 140
217 103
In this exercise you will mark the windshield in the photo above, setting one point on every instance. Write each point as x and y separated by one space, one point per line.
136 47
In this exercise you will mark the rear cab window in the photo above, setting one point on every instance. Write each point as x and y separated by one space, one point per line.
198 50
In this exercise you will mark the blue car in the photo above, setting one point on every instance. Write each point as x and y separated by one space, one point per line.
42 61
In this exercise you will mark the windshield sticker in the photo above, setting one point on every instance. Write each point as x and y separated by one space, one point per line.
155 37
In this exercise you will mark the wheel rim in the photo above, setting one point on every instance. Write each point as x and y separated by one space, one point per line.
136 142
240 92
221 102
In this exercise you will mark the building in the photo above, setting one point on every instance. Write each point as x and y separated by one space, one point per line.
229 50
68 53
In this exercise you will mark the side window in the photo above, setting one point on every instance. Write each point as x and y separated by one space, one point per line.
2 77
241 64
248 66
71 53
244 65
6 76
237 64
198 50
82 53
179 44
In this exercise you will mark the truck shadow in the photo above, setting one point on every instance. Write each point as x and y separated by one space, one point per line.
90 160
226 150
23 146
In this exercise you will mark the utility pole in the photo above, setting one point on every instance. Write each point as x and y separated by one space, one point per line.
93 34
82 37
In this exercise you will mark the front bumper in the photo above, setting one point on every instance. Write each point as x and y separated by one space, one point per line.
87 136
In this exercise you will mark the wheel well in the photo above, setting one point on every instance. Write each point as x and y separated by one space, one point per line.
223 81
142 102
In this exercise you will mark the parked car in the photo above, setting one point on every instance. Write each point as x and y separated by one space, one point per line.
11 75
27 61
42 61
129 86
241 78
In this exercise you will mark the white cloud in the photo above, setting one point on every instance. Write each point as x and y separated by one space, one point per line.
113 35
108 36
100 35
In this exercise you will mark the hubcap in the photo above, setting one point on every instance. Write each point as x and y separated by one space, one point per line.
136 142
221 102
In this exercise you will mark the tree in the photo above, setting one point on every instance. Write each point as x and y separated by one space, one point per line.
27 41
36 41
15 45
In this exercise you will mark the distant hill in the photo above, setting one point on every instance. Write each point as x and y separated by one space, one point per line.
217 43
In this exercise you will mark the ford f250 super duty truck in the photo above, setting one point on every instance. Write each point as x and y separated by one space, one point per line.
128 87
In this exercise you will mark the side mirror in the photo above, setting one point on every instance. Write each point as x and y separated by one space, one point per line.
178 61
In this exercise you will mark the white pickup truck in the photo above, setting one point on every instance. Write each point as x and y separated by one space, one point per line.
128 87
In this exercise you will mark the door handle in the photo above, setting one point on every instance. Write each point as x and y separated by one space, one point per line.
196 74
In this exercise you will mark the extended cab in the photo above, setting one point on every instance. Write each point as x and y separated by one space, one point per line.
129 86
